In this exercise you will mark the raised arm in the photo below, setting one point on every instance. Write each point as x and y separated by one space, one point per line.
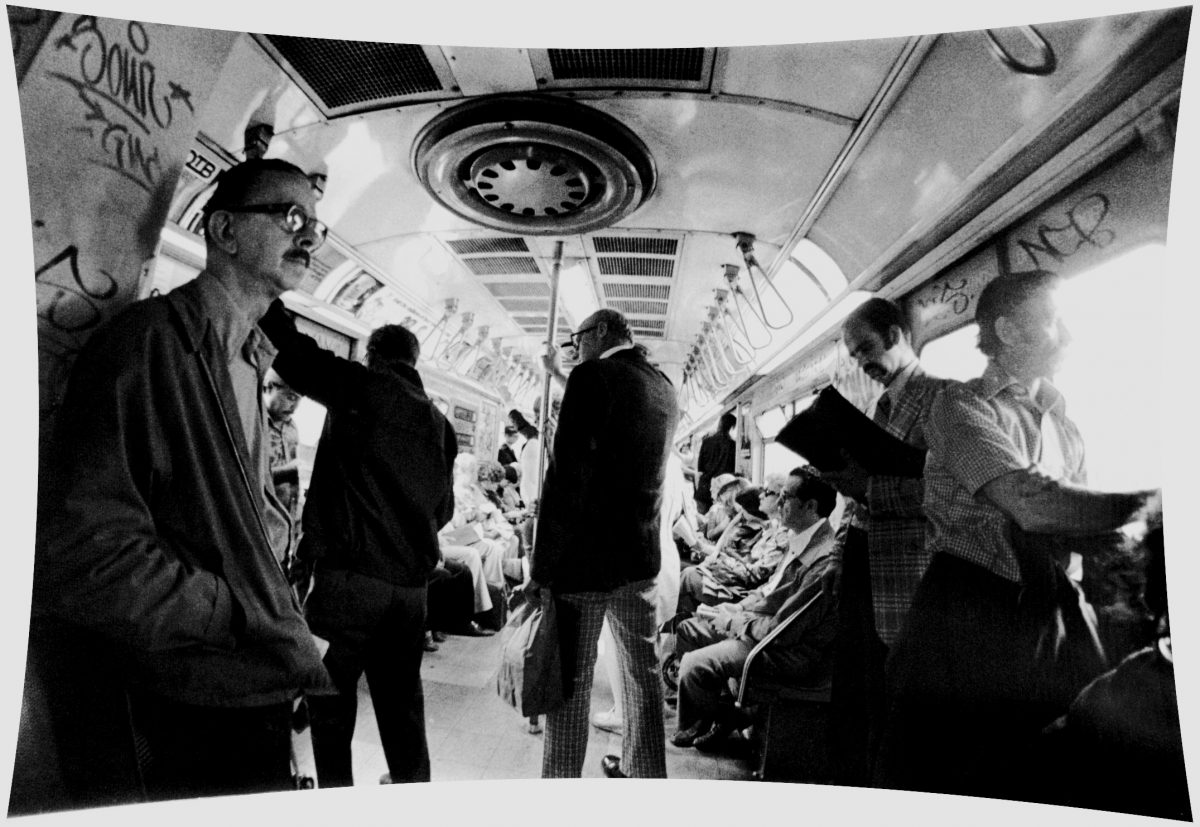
310 369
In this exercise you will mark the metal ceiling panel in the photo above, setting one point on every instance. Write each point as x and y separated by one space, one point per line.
834 77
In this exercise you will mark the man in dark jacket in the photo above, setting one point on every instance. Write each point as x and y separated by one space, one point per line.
160 537
598 543
381 488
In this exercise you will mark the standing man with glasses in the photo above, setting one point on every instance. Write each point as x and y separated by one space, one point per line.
160 539
598 545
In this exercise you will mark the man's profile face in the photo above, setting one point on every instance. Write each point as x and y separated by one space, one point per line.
792 511
281 401
869 349
1042 336
267 252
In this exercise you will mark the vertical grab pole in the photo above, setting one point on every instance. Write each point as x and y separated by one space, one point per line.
547 379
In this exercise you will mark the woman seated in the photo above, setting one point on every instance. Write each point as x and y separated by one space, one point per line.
745 556
720 516
510 495
478 522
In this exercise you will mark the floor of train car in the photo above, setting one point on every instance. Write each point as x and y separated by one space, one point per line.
473 735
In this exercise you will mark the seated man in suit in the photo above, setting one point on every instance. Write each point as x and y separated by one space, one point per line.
718 639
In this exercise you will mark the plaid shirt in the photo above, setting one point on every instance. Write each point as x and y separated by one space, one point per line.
896 548
979 431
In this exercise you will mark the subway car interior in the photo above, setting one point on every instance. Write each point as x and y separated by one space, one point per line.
735 203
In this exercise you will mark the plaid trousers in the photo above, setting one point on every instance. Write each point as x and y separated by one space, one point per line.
630 613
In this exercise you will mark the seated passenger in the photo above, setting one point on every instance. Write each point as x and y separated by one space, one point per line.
716 643
510 495
478 522
731 574
722 512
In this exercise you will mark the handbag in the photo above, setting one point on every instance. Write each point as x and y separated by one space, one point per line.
530 678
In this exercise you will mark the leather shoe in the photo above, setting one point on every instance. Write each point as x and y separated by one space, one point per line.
429 645
439 636
473 629
687 737
611 765
714 738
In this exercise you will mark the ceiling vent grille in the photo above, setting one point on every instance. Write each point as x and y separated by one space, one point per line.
531 321
520 288
502 266
346 72
618 290
647 324
647 334
636 245
526 305
472 246
640 308
628 64
634 266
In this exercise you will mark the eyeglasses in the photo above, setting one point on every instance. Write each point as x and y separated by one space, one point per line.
295 219
770 493
576 336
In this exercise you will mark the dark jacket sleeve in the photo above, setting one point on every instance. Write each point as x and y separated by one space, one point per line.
445 510
310 369
101 562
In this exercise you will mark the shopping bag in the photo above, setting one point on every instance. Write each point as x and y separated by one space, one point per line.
530 677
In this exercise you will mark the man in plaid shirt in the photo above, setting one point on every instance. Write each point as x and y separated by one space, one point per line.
997 633
878 337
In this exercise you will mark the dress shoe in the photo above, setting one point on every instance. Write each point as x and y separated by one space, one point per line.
534 725
713 739
611 765
473 629
439 636
687 737
429 645
609 721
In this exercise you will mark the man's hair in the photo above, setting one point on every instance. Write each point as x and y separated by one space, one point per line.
235 182
1002 296
880 314
728 420
489 471
812 487
618 326
392 344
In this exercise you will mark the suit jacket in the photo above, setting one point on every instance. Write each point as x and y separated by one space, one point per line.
598 522
896 524
804 649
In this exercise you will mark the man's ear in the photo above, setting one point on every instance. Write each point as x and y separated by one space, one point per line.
892 337
1008 331
219 231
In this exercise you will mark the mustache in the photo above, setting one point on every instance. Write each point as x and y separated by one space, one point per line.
299 255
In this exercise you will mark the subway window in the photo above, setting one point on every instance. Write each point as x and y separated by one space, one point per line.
1112 376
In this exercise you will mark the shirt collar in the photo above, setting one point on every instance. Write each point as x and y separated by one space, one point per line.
229 322
798 541
612 350
996 379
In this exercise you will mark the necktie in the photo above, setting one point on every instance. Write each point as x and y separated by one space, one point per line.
883 409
